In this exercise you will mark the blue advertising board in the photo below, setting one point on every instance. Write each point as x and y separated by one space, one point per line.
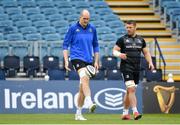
61 96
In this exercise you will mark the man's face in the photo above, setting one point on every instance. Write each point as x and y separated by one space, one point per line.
131 29
84 20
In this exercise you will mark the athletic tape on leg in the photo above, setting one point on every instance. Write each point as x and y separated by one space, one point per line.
130 84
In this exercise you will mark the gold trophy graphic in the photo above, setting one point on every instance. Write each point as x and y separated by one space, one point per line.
165 96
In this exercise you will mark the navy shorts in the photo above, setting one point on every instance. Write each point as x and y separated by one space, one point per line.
78 64
131 76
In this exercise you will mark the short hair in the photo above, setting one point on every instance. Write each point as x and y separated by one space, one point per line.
131 22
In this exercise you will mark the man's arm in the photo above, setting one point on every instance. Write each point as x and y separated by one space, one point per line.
147 56
66 61
96 60
117 53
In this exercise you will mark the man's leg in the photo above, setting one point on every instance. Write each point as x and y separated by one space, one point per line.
132 99
87 93
80 103
126 115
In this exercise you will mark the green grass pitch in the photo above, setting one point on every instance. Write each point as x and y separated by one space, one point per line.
92 119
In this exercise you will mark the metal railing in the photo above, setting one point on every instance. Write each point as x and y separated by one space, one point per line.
157 47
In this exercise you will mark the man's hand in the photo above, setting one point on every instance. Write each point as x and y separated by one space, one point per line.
151 66
96 66
123 56
66 65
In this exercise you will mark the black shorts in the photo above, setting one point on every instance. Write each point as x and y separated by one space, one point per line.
78 64
131 76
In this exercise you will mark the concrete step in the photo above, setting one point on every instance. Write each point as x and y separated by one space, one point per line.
140 18
150 26
168 40
152 33
171 46
127 3
172 67
171 53
132 11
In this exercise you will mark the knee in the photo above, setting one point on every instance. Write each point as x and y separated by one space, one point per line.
131 90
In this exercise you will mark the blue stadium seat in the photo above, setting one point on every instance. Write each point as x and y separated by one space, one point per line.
28 30
115 24
100 75
62 31
67 11
55 51
55 17
52 37
80 4
18 17
11 65
109 38
10 30
20 50
104 11
155 75
114 75
4 51
27 4
109 62
63 4
73 75
95 17
33 37
72 18
2 74
43 23
47 30
119 31
6 23
98 24
31 11
98 4
50 62
104 30
49 11
58 24
45 4
56 74
31 65
110 17
37 17
4 17
8 3
23 23
13 10
14 37
1 37
1 10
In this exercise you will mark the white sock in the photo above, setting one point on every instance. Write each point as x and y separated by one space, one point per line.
79 110
125 111
134 109
88 100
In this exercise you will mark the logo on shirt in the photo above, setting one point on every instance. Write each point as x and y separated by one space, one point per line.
138 41
77 65
90 30
127 76
127 41
77 30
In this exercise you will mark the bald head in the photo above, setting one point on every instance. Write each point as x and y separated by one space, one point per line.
84 18
85 13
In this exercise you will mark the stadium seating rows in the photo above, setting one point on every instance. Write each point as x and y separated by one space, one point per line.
31 66
17 14
170 12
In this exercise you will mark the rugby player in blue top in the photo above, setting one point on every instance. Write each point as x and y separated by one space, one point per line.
81 40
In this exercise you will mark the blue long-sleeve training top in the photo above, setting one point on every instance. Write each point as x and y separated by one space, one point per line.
82 42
